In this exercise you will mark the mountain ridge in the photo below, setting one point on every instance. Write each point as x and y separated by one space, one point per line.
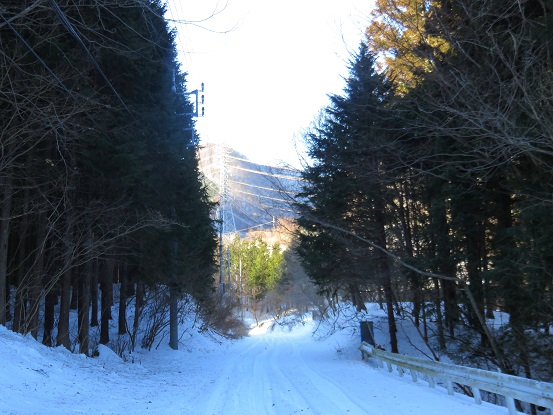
257 194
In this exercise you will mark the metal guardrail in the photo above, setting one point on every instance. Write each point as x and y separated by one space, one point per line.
511 387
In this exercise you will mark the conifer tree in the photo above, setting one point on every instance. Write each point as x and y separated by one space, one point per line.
99 160
347 188
260 268
475 136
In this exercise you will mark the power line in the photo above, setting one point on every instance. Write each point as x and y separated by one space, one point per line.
283 209
228 224
20 14
35 54
263 165
255 226
176 13
276 176
264 197
263 188
69 27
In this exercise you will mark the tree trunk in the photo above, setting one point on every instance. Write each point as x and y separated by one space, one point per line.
439 316
5 211
49 306
445 266
63 338
74 303
173 302
173 319
512 282
122 318
356 298
106 285
388 294
8 303
385 272
94 294
489 300
416 282
84 301
21 285
109 286
23 264
84 308
425 323
415 279
37 277
474 261
138 305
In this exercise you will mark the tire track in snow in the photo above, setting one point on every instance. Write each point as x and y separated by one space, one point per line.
322 395
241 383
359 402
285 397
271 377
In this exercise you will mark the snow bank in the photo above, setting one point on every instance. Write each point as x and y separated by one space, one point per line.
281 368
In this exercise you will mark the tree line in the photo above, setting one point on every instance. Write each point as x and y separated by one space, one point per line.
430 177
255 268
100 189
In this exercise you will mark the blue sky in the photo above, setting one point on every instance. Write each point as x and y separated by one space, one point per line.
267 67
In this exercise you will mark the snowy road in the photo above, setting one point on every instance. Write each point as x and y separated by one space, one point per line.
291 373
273 373
272 376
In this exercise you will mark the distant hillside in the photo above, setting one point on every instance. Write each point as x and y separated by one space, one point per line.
258 194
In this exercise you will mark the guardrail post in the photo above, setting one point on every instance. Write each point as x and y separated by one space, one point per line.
449 385
477 395
414 375
510 403
430 381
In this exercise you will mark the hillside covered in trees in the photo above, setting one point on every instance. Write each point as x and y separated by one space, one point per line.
258 195
431 180
98 172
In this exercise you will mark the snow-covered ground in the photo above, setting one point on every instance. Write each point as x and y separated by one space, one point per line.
273 371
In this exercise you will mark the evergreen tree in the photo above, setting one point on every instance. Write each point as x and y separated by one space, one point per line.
259 266
348 189
99 163
476 125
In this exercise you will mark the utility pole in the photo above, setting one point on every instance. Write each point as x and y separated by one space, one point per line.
227 225
196 112
173 292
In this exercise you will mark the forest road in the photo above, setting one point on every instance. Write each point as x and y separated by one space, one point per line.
275 375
